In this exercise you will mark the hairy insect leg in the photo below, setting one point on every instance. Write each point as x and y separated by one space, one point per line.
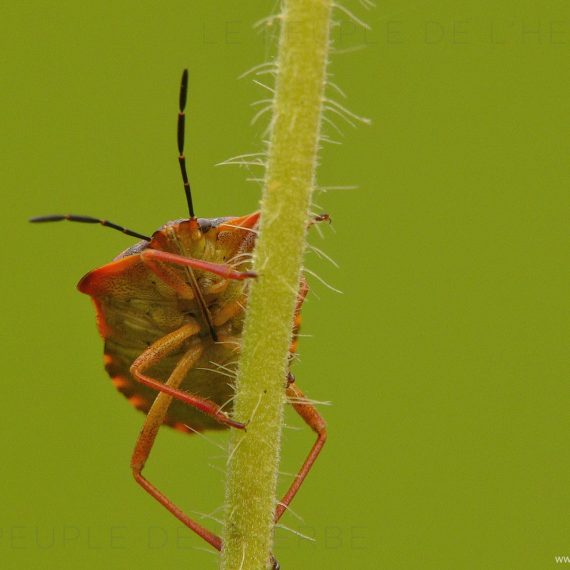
220 269
146 439
315 421
159 350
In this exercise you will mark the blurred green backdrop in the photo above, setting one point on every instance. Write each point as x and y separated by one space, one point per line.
444 358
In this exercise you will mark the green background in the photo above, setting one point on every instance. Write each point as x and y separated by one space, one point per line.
444 358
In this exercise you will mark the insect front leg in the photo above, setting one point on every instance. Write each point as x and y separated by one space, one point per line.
220 269
320 218
146 439
316 422
159 350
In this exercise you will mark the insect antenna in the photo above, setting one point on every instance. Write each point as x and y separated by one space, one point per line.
181 128
88 220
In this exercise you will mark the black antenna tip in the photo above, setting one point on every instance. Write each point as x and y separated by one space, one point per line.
180 136
183 90
40 219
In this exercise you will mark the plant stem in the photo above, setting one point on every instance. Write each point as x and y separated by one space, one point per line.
285 207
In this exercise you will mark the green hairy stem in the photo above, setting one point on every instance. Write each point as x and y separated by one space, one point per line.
292 156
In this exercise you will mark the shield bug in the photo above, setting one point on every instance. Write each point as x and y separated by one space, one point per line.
170 307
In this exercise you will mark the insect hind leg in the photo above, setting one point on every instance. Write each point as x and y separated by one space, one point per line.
146 439
145 443
316 422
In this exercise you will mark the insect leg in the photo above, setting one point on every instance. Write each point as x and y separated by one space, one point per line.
154 420
315 421
228 311
220 269
167 274
319 218
155 353
145 442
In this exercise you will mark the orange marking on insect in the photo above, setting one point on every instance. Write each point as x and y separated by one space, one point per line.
297 321
102 327
182 427
247 222
138 402
120 382
107 359
100 281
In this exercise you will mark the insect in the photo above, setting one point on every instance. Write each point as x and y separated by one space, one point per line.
170 310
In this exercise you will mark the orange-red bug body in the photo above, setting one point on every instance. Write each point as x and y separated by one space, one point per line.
135 308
